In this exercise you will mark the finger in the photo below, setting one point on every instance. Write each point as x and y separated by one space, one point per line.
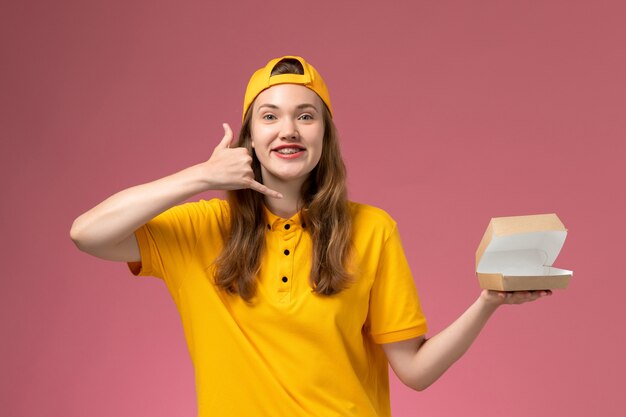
228 137
500 294
257 186
527 296
542 293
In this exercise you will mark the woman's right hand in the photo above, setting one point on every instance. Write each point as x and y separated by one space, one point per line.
107 230
231 168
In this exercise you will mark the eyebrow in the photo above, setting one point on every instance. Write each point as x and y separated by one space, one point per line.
298 107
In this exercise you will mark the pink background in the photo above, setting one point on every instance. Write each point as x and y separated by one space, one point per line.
451 112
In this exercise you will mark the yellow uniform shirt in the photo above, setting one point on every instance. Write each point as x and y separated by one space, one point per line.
291 352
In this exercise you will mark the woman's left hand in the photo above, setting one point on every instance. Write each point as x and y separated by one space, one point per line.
512 297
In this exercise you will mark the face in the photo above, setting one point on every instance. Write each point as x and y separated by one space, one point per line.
287 129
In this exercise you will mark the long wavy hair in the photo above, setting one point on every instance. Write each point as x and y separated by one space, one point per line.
325 212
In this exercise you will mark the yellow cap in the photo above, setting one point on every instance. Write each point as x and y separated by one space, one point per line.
263 79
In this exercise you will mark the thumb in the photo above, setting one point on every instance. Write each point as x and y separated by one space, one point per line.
228 137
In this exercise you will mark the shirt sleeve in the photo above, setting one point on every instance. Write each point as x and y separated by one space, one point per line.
168 241
395 311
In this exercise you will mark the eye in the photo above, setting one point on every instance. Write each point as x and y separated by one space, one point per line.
305 117
269 116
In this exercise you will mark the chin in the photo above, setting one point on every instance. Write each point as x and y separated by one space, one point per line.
290 176
294 177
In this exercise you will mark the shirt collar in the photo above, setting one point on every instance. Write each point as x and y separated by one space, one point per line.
278 223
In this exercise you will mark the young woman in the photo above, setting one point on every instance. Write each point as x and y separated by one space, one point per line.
293 299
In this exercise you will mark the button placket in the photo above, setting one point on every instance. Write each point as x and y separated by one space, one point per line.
288 236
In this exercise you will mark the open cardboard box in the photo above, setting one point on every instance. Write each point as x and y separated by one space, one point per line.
517 253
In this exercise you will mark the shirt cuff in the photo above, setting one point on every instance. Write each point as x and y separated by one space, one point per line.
143 267
400 335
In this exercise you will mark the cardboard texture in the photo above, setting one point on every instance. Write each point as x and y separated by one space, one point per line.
516 254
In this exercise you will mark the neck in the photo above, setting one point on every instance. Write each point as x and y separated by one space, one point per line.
290 204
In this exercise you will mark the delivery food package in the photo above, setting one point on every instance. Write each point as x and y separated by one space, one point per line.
517 253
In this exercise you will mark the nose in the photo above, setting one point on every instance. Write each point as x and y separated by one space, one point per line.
289 130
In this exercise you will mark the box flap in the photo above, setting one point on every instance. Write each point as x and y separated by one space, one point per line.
521 245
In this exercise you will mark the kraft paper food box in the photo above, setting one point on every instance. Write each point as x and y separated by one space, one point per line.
517 253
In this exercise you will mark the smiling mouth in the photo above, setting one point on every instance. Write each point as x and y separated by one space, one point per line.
288 150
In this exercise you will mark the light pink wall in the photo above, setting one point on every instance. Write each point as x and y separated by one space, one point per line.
450 113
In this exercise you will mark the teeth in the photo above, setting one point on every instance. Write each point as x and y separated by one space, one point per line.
288 151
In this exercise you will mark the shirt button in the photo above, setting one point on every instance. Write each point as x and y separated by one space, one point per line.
287 226
286 252
285 279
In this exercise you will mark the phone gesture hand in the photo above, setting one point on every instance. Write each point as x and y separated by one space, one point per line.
231 168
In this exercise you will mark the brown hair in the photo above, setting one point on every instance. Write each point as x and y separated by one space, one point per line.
325 211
